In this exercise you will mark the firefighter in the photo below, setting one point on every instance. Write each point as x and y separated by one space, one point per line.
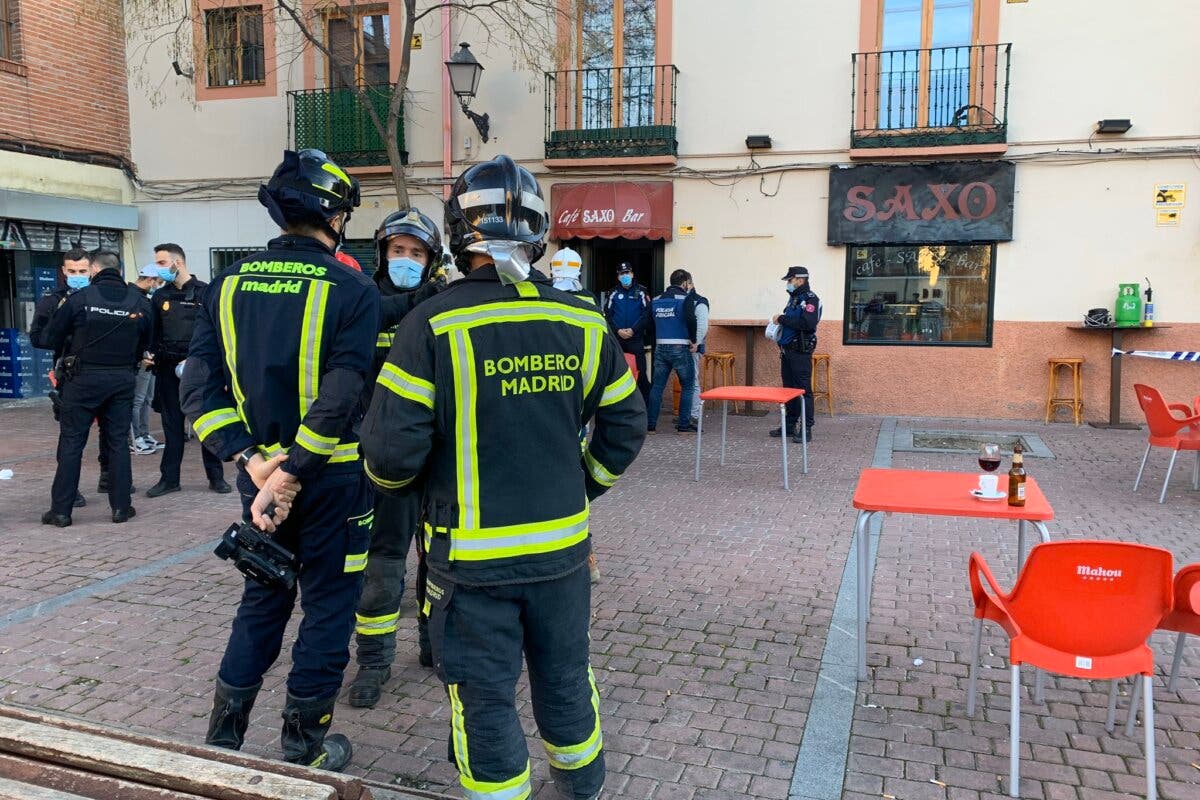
283 346
482 398
408 269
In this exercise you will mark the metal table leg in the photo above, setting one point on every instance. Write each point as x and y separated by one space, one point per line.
862 547
1020 544
804 435
724 426
1042 530
699 436
783 437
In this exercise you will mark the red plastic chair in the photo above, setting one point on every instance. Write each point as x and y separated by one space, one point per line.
1170 431
631 360
1080 608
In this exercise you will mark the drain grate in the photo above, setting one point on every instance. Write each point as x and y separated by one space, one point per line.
910 440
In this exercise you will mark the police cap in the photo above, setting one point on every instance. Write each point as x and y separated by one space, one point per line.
795 272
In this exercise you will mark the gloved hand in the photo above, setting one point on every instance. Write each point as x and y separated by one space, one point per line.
428 290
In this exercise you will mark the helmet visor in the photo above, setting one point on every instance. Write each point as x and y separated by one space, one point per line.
487 211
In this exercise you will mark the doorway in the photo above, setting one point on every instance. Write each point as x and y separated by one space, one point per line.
602 256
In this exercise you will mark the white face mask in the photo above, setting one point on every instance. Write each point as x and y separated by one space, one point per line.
513 262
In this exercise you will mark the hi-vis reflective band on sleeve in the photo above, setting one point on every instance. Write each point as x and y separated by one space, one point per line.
509 541
229 343
214 421
310 344
385 339
458 729
619 389
355 562
386 484
600 474
584 753
342 452
376 626
314 442
527 289
406 385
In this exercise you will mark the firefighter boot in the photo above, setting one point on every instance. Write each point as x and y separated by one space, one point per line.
230 715
425 650
367 686
566 790
305 725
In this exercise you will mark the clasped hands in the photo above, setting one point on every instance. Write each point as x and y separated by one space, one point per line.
275 487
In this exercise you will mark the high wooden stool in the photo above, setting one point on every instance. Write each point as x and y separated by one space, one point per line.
715 365
822 390
1074 367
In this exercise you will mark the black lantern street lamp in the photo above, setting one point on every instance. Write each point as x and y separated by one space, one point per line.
464 80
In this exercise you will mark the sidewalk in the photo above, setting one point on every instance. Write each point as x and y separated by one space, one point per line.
710 622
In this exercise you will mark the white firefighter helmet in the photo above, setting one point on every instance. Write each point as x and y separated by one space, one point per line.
566 263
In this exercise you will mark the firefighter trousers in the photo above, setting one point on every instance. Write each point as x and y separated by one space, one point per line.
478 635
396 519
329 530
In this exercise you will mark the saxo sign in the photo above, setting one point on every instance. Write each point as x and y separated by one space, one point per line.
943 202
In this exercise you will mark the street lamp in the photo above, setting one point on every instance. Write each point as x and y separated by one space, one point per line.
464 80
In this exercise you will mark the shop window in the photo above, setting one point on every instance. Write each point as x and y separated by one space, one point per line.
930 294
220 258
235 54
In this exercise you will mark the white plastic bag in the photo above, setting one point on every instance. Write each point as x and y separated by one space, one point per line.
772 331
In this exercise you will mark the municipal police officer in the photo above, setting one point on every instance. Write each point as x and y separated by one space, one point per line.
176 306
284 341
408 255
483 397
628 314
108 326
797 341
673 315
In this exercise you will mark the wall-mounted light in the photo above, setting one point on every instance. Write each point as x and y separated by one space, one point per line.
1113 125
181 72
464 81
758 142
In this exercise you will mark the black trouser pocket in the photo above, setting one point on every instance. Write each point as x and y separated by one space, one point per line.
438 593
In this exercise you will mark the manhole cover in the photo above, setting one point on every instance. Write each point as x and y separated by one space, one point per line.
909 440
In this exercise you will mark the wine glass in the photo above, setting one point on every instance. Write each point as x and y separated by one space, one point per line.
989 457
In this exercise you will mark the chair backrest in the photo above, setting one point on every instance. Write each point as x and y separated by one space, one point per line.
1092 598
1187 589
1158 416
631 360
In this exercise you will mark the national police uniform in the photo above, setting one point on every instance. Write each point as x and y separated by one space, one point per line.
283 344
108 327
483 397
629 308
175 313
797 341
674 317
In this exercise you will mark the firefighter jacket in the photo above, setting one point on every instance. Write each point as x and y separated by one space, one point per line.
104 326
484 395
284 342
175 312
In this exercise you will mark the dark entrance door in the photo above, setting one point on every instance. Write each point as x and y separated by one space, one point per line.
602 256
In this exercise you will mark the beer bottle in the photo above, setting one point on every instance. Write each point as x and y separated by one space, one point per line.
1016 478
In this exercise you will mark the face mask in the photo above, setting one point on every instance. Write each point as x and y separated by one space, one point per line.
405 273
77 282
625 280
791 287
568 284
166 274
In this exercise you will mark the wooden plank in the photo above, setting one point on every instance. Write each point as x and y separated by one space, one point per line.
348 788
84 784
14 790
154 766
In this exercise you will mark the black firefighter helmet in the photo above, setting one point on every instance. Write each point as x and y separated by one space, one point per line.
409 222
308 188
497 201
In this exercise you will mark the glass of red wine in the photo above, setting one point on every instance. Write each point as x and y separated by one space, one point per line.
989 457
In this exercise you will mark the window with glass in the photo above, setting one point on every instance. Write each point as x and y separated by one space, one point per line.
361 46
220 258
615 56
925 69
921 294
7 24
236 54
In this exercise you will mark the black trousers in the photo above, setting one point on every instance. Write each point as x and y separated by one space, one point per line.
106 395
166 391
478 635
796 370
396 519
638 351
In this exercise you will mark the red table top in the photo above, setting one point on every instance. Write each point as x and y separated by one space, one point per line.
752 394
944 494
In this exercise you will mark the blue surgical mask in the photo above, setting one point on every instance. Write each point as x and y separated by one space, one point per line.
405 272
77 282
625 280
791 287
166 274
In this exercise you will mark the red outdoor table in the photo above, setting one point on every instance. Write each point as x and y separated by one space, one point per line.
753 394
941 494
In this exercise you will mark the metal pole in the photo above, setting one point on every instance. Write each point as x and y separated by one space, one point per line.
804 428
1151 765
1014 731
699 437
783 437
724 426
976 644
860 536
1020 544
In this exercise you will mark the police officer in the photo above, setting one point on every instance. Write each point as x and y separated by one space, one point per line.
108 327
408 254
284 342
628 314
673 315
176 306
797 341
482 397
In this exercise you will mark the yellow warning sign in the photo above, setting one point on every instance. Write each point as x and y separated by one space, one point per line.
1168 218
416 41
686 231
1169 195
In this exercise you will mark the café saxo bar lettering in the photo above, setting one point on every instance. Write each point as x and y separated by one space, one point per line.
918 203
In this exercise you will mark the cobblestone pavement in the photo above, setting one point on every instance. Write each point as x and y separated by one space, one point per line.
709 628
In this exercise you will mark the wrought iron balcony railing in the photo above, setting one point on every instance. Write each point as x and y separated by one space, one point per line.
611 112
336 121
930 97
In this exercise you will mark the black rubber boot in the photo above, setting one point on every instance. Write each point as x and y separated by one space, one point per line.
306 722
230 715
102 484
367 686
425 652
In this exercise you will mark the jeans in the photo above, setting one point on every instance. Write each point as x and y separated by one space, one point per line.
143 393
668 357
696 386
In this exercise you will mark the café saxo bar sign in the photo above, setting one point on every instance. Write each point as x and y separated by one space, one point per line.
921 203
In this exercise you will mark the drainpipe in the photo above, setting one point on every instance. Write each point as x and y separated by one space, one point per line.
447 104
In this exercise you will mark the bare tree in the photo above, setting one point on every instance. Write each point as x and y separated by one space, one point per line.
526 28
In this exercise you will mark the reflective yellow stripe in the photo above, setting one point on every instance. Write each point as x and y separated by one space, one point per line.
516 789
508 541
584 753
343 452
356 562
334 169
310 344
378 481
376 626
516 311
458 729
600 473
229 342
526 289
591 358
385 339
466 457
425 609
619 389
214 421
406 385
314 442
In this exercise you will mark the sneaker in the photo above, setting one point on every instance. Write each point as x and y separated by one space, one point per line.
142 448
153 441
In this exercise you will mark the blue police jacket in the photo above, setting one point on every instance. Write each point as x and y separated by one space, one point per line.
674 314
626 308
800 316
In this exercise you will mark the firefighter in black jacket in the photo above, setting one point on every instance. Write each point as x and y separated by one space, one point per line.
283 345
176 306
482 398
797 341
108 326
408 256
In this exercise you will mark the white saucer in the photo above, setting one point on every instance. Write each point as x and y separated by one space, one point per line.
979 495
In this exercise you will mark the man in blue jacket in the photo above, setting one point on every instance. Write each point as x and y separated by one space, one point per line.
628 315
673 314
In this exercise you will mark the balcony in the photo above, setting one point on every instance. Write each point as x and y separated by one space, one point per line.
930 98
606 113
336 121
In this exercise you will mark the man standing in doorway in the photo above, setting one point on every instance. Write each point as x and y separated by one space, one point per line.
176 306
797 341
628 314
673 314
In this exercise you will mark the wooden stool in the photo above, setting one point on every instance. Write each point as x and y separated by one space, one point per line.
717 365
1074 366
820 361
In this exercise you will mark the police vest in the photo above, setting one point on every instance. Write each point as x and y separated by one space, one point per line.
625 307
669 325
110 332
178 321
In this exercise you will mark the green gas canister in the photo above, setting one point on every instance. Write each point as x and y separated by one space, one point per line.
1129 305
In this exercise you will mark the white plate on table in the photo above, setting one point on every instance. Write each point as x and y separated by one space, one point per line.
978 494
